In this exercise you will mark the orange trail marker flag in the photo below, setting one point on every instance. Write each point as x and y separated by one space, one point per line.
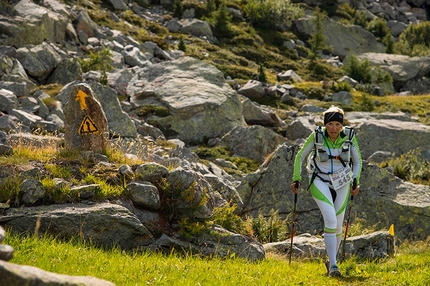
391 230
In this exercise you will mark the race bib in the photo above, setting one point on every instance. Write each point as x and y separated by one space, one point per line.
341 177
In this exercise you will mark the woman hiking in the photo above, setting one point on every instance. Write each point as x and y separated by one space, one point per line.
334 167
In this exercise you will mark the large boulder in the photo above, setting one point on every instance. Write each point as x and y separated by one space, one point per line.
255 142
200 103
344 39
105 224
16 275
395 136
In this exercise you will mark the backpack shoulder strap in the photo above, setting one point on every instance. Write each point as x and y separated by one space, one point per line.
319 136
349 132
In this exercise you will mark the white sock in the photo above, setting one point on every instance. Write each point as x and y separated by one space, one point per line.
338 241
330 247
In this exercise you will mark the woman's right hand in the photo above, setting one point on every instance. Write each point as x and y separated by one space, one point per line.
295 187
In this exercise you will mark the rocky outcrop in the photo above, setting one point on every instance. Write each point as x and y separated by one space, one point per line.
397 137
343 39
201 105
402 68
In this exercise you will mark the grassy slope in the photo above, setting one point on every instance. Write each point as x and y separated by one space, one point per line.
411 266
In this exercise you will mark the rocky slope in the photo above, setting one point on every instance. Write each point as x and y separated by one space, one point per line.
159 95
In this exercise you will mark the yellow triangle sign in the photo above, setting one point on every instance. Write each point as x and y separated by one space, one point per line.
88 126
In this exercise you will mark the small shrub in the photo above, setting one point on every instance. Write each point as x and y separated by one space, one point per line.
360 71
178 9
9 190
360 18
378 28
388 41
320 70
318 39
269 229
261 74
414 40
366 103
181 45
272 14
227 217
99 61
215 152
341 86
222 20
190 228
412 166
210 7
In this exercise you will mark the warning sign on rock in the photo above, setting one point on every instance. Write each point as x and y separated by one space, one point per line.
88 126
86 123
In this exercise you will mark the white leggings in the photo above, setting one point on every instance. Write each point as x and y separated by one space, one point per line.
332 212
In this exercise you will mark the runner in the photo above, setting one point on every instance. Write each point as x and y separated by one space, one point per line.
334 166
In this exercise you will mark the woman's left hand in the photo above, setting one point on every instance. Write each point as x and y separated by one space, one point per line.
355 191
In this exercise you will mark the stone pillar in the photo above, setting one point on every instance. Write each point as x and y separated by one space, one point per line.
86 123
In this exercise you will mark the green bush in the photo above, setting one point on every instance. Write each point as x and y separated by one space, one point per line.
181 45
222 20
269 229
272 14
360 71
341 86
320 70
415 40
318 39
360 18
261 74
101 61
378 28
412 166
178 9
366 103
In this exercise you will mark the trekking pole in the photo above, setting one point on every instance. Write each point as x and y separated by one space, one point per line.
354 186
293 222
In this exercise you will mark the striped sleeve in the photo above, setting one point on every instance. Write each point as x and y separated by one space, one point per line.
302 155
357 162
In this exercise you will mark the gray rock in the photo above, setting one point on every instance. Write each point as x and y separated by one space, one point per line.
8 100
105 224
16 275
369 246
86 123
6 252
32 191
180 86
144 195
255 142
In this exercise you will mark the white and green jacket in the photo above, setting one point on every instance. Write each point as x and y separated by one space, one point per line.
332 162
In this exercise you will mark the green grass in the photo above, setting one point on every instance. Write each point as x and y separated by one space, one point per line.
410 266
